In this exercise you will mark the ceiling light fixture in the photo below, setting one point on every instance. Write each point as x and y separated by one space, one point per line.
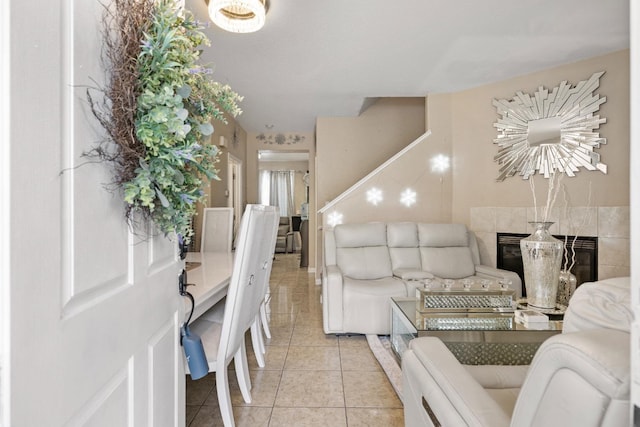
238 16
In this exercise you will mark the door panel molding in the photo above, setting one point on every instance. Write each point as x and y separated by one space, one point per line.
111 403
164 349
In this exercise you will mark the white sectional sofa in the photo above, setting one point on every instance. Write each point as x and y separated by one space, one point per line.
367 264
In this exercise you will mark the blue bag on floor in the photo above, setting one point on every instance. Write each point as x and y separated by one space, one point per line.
194 352
191 343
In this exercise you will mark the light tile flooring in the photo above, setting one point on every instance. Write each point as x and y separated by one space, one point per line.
310 379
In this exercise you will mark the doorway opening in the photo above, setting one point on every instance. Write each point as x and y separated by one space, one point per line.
283 182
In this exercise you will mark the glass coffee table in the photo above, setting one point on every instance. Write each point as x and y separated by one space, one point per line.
474 338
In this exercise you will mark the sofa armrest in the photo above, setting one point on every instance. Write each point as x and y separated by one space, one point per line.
499 274
332 295
431 371
588 372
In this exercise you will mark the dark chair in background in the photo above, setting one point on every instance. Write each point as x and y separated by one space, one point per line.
283 237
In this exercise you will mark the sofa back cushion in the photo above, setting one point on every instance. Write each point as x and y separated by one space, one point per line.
402 239
445 251
448 263
361 250
442 235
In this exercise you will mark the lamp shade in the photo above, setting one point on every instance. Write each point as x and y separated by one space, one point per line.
238 16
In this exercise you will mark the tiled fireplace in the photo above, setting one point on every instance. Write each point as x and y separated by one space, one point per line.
609 224
581 255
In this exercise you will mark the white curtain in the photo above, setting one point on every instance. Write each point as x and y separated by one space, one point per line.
276 189
264 181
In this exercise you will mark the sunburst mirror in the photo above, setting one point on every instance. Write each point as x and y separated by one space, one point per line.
551 131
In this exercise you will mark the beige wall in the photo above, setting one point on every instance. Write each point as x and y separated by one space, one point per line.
412 170
351 147
238 149
473 115
438 121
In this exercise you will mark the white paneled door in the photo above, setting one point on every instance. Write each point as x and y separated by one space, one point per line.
90 312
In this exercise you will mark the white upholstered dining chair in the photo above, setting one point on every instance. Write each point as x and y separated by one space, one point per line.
222 329
217 236
217 230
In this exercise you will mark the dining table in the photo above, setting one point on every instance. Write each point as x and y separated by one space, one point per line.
208 277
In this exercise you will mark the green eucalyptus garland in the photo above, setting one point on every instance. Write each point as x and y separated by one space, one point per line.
175 103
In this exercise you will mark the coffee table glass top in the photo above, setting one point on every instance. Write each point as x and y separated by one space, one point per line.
466 321
474 338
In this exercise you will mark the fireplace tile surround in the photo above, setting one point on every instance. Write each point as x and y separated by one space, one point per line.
609 223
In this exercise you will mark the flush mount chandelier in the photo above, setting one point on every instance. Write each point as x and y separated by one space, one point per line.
238 16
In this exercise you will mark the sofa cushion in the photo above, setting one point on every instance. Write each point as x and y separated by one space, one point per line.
367 304
443 235
405 258
402 239
360 235
448 263
364 263
402 235
361 250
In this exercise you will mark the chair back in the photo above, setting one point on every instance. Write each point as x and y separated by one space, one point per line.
582 376
296 220
253 258
217 230
603 304
267 251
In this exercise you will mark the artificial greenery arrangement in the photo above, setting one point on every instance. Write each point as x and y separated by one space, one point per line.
157 108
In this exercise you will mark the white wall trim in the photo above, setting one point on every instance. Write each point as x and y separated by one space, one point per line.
635 202
5 214
375 172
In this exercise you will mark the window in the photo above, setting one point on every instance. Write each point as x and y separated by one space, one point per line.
276 189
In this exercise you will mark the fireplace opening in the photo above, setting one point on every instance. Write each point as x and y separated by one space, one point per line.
586 249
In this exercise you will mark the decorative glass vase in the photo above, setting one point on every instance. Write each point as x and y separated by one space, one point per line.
566 287
541 259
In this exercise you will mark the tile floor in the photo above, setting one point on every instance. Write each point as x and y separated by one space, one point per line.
310 379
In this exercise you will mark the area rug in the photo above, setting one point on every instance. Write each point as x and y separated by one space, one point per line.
381 348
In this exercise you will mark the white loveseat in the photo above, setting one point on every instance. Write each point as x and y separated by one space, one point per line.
367 264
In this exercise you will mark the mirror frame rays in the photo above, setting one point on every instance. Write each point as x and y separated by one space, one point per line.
576 106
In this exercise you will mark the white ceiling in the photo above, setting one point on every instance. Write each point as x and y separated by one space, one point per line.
326 57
